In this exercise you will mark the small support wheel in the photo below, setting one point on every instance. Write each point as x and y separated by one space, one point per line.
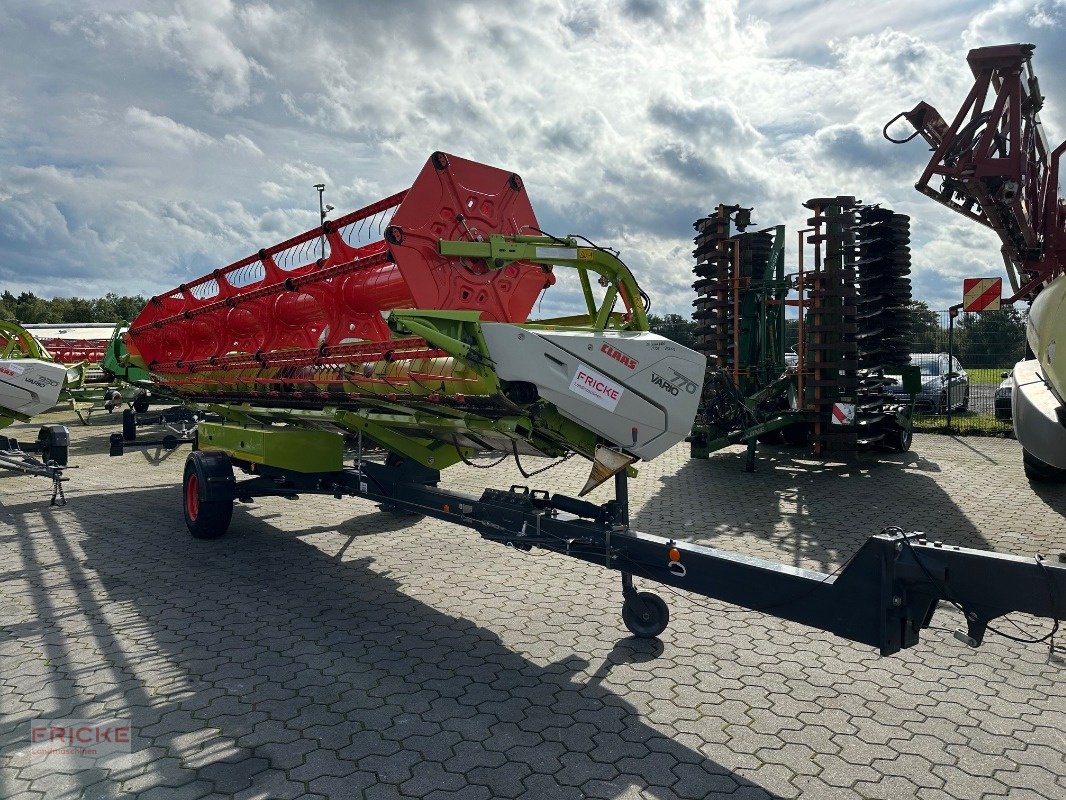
645 614
141 403
53 442
129 425
208 506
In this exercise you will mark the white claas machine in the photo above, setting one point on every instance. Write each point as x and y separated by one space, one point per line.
30 384
1038 392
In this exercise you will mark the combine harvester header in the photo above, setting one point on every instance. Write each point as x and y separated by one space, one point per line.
454 368
420 343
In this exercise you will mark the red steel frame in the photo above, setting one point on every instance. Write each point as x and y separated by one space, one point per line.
996 167
71 351
256 306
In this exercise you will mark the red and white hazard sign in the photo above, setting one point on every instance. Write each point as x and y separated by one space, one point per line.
982 294
843 413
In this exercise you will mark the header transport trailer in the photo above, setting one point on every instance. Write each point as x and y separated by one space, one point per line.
366 371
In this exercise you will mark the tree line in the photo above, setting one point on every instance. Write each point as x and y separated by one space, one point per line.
986 339
989 339
29 309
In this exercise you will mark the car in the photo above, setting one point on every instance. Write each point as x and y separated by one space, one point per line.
1002 398
945 384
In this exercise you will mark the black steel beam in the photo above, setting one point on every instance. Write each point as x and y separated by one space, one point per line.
883 596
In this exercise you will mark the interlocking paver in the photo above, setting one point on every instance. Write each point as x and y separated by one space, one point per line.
234 774
330 648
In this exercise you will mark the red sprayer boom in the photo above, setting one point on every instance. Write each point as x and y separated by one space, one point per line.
995 166
283 298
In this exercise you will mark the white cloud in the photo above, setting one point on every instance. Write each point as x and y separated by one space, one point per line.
240 142
189 135
153 130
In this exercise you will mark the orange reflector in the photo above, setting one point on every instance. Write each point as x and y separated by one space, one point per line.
447 508
674 554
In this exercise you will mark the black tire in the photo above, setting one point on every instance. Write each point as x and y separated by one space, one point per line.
645 614
54 444
58 452
141 403
898 440
206 519
797 434
1040 471
129 425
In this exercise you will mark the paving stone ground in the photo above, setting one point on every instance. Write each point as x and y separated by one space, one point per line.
324 648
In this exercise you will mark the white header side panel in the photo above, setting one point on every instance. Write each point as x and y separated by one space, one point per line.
29 386
639 391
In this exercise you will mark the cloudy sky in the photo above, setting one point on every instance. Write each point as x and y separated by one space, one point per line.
143 143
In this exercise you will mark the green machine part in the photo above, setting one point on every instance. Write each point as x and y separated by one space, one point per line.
117 361
746 286
762 290
17 342
297 449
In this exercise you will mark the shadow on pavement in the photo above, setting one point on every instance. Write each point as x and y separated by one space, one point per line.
262 662
803 512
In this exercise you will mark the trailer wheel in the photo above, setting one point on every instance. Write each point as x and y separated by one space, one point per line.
141 403
645 614
208 505
899 440
797 434
1040 471
53 441
129 425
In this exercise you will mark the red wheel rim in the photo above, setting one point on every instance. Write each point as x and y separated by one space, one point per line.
192 497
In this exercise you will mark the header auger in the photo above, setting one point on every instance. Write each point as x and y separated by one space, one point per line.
283 298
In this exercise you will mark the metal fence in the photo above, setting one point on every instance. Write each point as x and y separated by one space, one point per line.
986 346
964 395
